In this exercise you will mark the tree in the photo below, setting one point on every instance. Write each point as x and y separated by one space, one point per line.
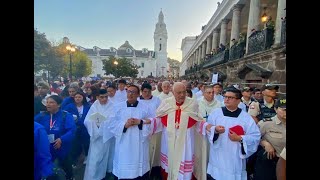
82 65
174 66
173 62
125 67
41 47
55 63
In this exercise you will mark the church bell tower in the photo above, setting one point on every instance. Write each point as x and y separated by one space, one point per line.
160 46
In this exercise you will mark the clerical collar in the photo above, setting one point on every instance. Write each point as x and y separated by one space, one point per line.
143 98
132 105
228 113
179 104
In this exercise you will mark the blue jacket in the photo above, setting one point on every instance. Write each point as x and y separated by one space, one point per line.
43 166
72 108
63 130
67 101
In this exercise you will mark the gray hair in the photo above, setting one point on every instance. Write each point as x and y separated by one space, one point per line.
74 85
177 84
165 82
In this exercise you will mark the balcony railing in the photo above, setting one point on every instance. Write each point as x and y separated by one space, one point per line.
283 32
237 51
260 40
195 68
217 59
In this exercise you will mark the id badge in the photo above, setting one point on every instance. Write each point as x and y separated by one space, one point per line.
51 138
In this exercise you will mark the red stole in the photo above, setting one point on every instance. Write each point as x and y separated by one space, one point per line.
164 119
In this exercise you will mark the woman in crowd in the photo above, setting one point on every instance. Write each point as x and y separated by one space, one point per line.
92 94
79 108
60 128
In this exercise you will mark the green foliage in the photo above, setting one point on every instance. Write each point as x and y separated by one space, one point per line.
41 48
56 59
81 64
125 67
173 62
55 63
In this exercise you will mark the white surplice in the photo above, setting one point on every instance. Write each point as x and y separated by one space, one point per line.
120 96
205 108
155 141
132 146
163 96
226 161
100 155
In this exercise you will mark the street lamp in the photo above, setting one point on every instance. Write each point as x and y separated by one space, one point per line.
116 64
70 49
264 16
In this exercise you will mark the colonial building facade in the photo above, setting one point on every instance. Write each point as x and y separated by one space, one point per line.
152 63
244 42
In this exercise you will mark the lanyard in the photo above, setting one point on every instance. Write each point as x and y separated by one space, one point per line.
51 124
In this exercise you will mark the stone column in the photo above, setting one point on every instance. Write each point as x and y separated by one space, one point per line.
192 58
199 54
223 32
209 48
235 29
203 54
281 13
254 19
215 40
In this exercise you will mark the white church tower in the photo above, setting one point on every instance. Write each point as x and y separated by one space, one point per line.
160 46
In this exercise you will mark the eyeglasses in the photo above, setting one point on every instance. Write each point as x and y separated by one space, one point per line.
131 92
229 97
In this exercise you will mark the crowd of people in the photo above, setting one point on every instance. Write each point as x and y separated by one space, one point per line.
159 130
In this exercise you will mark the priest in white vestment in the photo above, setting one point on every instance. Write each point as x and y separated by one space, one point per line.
158 89
101 152
179 121
131 128
234 137
153 103
207 103
112 94
121 93
166 93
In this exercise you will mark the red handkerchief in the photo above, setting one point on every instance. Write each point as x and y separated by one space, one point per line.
237 129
